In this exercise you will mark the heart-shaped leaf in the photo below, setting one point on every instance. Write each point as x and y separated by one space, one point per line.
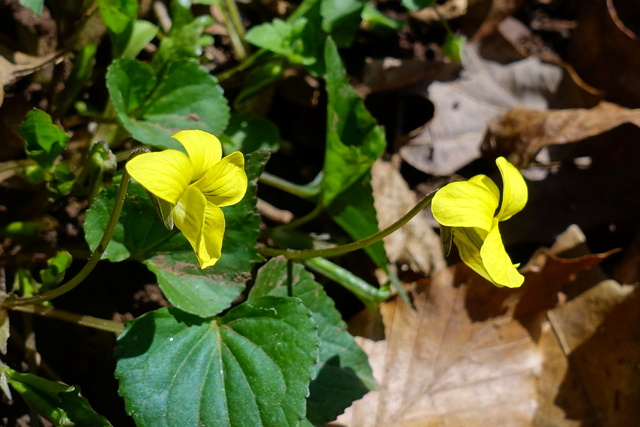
249 367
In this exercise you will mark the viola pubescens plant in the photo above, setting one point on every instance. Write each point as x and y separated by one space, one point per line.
195 186
470 208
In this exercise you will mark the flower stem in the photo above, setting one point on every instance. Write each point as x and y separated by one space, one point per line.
349 247
308 191
93 260
235 28
78 319
369 295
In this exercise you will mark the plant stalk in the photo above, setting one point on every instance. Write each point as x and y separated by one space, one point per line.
78 319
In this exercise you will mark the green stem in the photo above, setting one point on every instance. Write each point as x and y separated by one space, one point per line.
95 257
78 319
369 295
235 28
349 247
308 191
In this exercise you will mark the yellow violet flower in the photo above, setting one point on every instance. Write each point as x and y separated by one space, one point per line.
194 186
469 208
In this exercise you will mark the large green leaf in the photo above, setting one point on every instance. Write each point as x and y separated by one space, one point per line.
58 403
152 108
354 139
248 132
343 374
251 367
140 235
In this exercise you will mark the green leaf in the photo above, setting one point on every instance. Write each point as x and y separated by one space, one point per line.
184 41
297 40
140 235
34 6
152 108
341 19
60 404
354 211
119 16
343 374
416 5
354 139
141 34
248 133
453 47
56 268
379 23
250 367
44 140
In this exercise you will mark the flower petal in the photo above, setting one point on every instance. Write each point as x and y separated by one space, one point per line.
471 203
226 182
188 216
203 149
514 192
470 254
202 223
165 174
497 263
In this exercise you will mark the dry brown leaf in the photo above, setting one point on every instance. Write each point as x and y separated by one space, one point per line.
499 10
439 367
14 65
415 244
485 90
523 132
449 9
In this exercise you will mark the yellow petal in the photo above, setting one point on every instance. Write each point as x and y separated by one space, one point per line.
212 235
497 263
471 203
514 192
226 182
470 254
165 174
203 149
202 223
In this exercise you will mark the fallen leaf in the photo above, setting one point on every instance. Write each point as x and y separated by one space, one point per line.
522 133
415 244
439 367
14 65
485 90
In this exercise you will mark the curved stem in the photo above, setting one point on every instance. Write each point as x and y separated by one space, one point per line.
95 257
308 191
368 294
78 319
349 247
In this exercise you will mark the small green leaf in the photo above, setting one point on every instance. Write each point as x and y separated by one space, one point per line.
250 367
142 33
248 133
152 108
34 6
416 5
453 47
57 266
379 23
184 41
341 19
343 374
296 40
60 404
118 15
44 140
354 139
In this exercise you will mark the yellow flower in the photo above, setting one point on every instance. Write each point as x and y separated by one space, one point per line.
192 187
469 208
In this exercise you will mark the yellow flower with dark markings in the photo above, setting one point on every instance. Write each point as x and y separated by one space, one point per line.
470 208
192 187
